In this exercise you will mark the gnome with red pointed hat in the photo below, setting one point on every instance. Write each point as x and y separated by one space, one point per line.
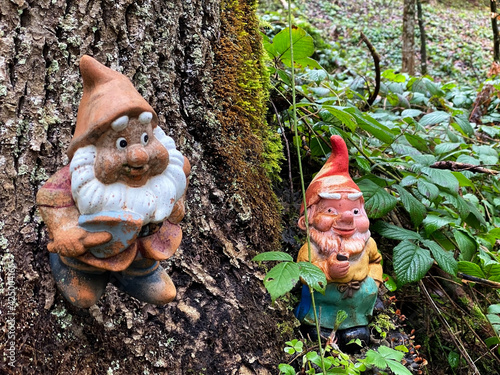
113 212
341 247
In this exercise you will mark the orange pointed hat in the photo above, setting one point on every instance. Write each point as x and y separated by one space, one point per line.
107 95
333 177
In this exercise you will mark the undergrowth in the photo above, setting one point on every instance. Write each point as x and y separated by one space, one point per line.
425 155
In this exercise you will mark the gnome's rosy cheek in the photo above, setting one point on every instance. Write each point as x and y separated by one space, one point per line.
324 221
108 165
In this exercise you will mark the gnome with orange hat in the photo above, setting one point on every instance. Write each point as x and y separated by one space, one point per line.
113 212
342 248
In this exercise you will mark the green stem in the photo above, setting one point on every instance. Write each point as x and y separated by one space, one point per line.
294 113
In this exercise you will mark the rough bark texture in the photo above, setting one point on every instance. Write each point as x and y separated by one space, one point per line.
198 64
408 37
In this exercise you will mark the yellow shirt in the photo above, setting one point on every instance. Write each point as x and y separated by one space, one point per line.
366 263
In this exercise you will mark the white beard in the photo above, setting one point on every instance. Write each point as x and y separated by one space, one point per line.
330 243
154 201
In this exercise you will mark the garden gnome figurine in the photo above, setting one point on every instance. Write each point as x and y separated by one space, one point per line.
342 248
112 214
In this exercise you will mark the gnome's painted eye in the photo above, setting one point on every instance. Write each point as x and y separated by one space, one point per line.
144 139
121 143
332 211
355 211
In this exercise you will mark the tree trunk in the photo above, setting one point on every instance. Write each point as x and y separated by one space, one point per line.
496 34
408 37
198 63
423 42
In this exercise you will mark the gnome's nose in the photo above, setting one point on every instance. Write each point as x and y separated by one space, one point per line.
137 156
347 217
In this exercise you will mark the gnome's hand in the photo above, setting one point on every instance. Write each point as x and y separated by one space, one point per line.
75 241
338 266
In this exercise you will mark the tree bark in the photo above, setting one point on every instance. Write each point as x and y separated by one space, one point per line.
408 37
423 41
198 63
496 34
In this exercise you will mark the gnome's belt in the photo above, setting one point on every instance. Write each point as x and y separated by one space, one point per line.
349 288
149 229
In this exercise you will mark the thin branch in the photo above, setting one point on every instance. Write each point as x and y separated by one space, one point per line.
474 279
376 61
456 166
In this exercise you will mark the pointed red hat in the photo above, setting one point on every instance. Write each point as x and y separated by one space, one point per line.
107 95
333 177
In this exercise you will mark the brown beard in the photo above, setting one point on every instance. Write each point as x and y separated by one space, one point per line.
329 242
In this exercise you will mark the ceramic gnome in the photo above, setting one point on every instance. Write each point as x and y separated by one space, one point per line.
112 214
342 248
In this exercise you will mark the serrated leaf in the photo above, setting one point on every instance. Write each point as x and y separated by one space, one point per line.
464 124
373 127
389 353
411 262
345 117
418 142
434 118
273 255
444 259
397 368
442 178
394 232
444 148
408 180
405 150
303 44
313 276
471 269
378 202
411 113
281 279
427 189
412 205
466 245
432 223
374 358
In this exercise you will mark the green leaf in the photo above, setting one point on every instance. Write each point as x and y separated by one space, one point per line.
411 262
372 126
412 205
273 255
494 309
303 44
444 259
286 369
390 284
466 245
411 113
345 117
444 148
434 118
398 368
442 178
464 181
341 316
394 232
471 269
375 359
432 223
389 353
378 202
313 276
418 142
427 189
453 359
464 124
281 279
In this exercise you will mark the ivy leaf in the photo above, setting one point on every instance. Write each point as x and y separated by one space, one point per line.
281 279
394 232
273 256
442 178
412 205
313 276
411 262
432 223
444 258
434 118
378 202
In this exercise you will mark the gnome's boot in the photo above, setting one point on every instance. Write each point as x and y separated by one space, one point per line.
79 283
147 281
